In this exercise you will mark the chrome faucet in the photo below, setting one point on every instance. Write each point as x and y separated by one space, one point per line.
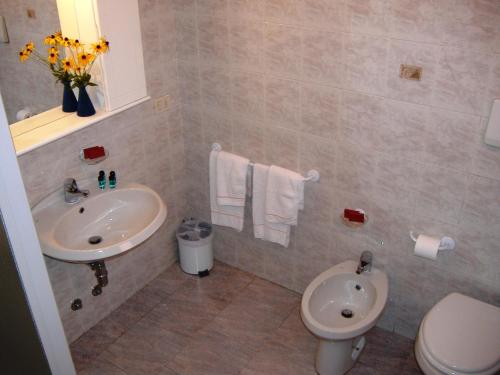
72 194
365 262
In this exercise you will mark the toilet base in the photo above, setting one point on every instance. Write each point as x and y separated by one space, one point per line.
337 357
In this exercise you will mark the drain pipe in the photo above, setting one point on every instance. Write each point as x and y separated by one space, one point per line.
101 274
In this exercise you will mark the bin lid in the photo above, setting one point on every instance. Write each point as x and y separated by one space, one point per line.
193 229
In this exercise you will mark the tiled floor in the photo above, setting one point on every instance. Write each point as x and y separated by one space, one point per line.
230 322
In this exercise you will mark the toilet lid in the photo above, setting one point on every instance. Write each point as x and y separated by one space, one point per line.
463 334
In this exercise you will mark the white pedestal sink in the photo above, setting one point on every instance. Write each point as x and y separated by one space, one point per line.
105 224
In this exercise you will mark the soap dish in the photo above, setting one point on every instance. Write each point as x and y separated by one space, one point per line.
354 224
93 161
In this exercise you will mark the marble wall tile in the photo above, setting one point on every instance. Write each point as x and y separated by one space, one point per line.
281 147
213 41
367 17
481 207
441 194
213 8
215 89
322 57
485 158
421 21
365 63
247 9
246 44
324 14
320 107
282 11
473 25
462 80
282 103
451 138
282 50
247 91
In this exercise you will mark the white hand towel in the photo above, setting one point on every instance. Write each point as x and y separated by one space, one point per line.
284 196
229 216
231 179
274 232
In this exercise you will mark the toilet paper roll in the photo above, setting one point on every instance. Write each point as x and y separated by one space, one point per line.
23 114
427 247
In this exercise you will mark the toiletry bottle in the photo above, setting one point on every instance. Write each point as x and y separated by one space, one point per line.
112 179
102 180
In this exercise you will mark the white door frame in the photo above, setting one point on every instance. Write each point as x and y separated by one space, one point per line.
28 256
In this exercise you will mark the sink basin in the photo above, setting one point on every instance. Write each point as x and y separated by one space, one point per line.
105 224
340 304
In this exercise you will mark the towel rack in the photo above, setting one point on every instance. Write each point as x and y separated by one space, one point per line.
312 175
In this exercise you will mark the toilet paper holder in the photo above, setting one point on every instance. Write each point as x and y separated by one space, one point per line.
447 243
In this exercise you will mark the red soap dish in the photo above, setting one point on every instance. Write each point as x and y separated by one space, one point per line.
354 224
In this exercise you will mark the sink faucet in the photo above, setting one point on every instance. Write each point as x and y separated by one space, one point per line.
72 194
365 262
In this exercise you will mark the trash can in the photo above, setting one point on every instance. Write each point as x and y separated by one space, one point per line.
195 246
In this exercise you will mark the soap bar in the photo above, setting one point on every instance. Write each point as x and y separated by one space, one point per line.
353 215
94 152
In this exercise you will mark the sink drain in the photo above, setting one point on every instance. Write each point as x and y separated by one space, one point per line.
346 313
94 240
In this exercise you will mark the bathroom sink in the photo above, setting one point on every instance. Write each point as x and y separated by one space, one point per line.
105 224
340 304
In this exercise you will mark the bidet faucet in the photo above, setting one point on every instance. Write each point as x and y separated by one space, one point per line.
72 194
365 262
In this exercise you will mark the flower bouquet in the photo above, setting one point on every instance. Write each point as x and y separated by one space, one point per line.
72 71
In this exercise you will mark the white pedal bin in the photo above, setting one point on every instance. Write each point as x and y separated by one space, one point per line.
195 246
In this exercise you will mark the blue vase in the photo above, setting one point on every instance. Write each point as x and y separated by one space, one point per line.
69 103
85 106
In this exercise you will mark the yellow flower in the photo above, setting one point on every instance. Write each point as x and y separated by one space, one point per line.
59 37
68 64
85 58
23 56
50 40
30 46
75 43
104 45
66 42
53 56
97 48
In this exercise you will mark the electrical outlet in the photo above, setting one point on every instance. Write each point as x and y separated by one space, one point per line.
162 103
411 72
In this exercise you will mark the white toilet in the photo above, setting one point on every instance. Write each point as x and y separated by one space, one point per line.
459 336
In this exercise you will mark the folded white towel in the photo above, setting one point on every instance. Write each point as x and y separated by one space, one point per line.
284 196
263 229
225 215
231 179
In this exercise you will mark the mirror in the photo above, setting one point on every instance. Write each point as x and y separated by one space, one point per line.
28 84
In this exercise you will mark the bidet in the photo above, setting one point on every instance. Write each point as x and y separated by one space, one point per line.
339 306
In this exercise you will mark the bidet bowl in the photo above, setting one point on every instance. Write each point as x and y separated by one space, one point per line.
340 304
105 224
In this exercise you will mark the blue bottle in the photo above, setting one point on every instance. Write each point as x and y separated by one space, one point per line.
102 180
112 179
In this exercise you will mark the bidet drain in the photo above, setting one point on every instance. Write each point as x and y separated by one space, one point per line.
94 240
346 313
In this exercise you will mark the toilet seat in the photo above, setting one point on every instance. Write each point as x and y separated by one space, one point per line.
460 335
